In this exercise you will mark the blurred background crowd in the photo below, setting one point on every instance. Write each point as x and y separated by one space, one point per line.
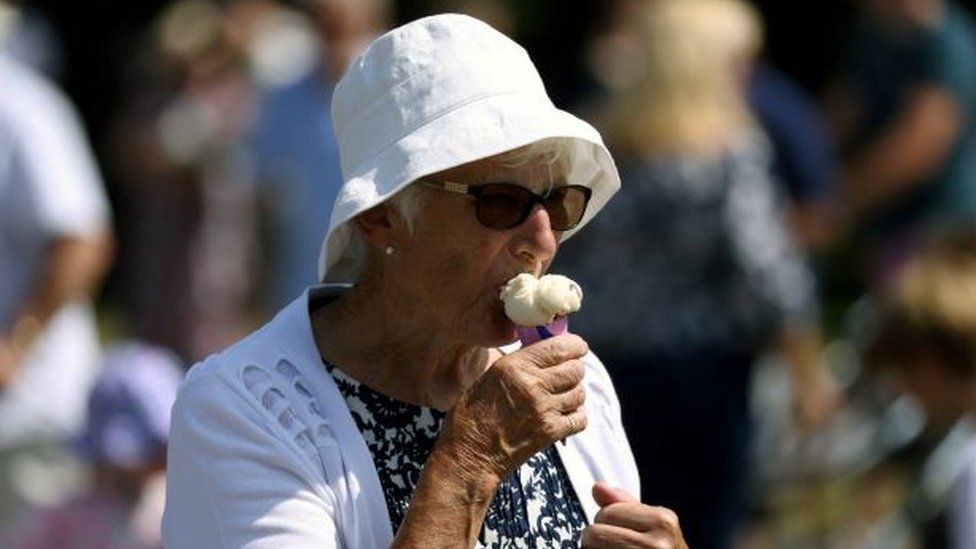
784 289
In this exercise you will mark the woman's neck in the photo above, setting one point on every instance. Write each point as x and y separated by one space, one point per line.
368 338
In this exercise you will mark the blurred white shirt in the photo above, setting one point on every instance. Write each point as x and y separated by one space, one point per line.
962 506
49 188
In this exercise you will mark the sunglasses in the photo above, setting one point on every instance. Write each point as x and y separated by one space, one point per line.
507 205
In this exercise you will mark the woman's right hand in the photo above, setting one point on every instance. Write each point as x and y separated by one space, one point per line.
520 405
523 403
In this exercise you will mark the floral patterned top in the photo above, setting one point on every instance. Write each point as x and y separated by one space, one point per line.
535 506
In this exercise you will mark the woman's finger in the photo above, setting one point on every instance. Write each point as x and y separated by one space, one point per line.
637 516
564 377
598 536
605 494
573 423
608 536
553 351
571 400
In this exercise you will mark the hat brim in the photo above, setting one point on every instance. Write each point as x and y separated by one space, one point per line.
478 129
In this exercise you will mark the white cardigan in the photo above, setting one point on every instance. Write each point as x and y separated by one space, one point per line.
264 452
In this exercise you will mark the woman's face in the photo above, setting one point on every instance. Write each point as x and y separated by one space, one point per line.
450 269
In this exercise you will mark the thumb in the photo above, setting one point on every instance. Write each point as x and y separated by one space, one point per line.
604 494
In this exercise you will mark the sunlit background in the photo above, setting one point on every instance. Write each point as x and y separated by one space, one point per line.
212 140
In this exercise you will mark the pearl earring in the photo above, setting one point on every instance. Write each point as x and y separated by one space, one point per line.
389 250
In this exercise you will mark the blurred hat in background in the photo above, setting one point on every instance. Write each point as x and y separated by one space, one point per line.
129 406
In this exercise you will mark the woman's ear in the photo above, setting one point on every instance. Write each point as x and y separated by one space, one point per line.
375 225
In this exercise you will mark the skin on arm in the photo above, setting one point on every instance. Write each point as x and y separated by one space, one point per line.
72 267
816 394
913 147
449 504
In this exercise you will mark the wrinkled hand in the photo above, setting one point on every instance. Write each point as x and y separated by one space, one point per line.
522 404
625 522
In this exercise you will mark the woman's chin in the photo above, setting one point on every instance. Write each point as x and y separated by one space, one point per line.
503 332
499 329
500 338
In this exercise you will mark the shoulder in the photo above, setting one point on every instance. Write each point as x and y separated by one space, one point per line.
948 54
29 98
959 27
250 392
244 446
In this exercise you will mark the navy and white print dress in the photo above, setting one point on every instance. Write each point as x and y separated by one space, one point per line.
535 506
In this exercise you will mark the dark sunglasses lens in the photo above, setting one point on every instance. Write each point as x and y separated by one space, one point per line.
565 206
504 206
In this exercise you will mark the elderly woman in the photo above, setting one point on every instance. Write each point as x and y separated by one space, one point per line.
396 410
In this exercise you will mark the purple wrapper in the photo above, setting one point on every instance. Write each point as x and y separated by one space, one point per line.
532 334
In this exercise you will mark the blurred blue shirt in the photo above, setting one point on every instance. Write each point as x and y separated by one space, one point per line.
299 177
803 158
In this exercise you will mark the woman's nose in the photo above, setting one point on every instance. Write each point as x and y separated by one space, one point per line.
534 238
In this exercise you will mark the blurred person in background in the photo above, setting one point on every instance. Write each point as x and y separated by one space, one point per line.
296 152
803 158
926 339
693 272
55 246
804 162
27 36
124 440
189 238
903 109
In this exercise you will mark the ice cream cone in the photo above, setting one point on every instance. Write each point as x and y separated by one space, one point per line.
532 334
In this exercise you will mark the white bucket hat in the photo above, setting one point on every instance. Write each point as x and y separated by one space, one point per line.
436 93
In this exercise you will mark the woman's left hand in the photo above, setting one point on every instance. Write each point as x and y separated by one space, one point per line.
625 522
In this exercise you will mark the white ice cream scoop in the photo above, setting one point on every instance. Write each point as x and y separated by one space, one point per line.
531 301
